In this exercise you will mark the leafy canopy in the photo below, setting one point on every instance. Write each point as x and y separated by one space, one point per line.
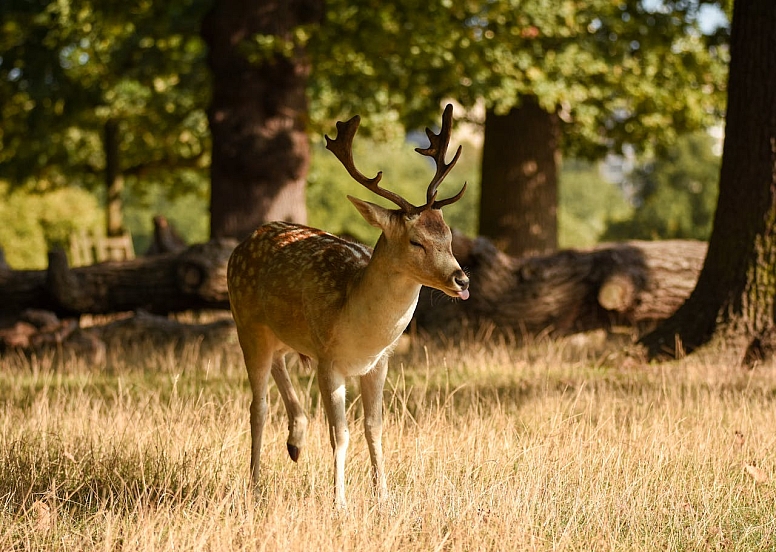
616 71
622 71
67 67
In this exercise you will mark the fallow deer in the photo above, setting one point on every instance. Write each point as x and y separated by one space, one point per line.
295 288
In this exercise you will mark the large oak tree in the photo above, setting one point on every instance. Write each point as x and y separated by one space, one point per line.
258 113
734 301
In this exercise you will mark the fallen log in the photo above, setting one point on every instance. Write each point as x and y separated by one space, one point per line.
41 333
192 279
634 284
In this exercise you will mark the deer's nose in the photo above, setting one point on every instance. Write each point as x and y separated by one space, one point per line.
462 280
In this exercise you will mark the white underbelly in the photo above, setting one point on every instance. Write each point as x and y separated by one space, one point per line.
351 363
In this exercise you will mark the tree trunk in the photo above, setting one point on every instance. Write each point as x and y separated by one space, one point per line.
114 181
258 113
735 297
42 333
518 206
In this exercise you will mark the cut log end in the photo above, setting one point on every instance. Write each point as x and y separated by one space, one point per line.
617 293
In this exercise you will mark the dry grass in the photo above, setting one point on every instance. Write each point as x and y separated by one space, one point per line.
553 446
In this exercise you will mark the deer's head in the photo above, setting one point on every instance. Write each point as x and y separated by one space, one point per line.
417 237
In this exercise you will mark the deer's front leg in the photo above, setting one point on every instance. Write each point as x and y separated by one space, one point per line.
332 386
372 397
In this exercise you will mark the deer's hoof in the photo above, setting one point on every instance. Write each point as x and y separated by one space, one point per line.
293 451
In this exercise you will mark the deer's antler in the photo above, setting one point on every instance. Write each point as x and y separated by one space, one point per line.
342 148
437 150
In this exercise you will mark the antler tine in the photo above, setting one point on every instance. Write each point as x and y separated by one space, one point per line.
442 202
342 148
437 150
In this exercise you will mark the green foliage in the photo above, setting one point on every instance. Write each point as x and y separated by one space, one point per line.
586 202
616 72
67 68
674 194
35 222
404 172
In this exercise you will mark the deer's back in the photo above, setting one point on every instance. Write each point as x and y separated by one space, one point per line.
294 279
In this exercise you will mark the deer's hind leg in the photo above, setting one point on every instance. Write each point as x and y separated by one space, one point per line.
258 345
297 420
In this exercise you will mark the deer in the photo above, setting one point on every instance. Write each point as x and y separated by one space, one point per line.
340 305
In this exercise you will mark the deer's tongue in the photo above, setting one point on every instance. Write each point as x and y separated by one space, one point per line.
464 294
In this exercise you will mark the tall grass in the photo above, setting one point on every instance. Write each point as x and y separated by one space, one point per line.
557 445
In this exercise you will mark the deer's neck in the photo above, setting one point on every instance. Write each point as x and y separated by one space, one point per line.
383 299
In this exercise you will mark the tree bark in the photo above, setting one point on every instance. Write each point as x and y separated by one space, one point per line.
258 114
735 298
42 333
518 205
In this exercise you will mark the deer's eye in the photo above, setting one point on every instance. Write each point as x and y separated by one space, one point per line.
417 244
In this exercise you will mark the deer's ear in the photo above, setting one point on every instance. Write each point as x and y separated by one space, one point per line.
374 214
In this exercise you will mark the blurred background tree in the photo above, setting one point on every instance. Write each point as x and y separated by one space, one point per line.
258 114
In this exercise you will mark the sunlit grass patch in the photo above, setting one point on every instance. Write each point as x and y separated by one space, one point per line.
555 445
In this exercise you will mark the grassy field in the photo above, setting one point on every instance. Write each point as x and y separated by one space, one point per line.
558 445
